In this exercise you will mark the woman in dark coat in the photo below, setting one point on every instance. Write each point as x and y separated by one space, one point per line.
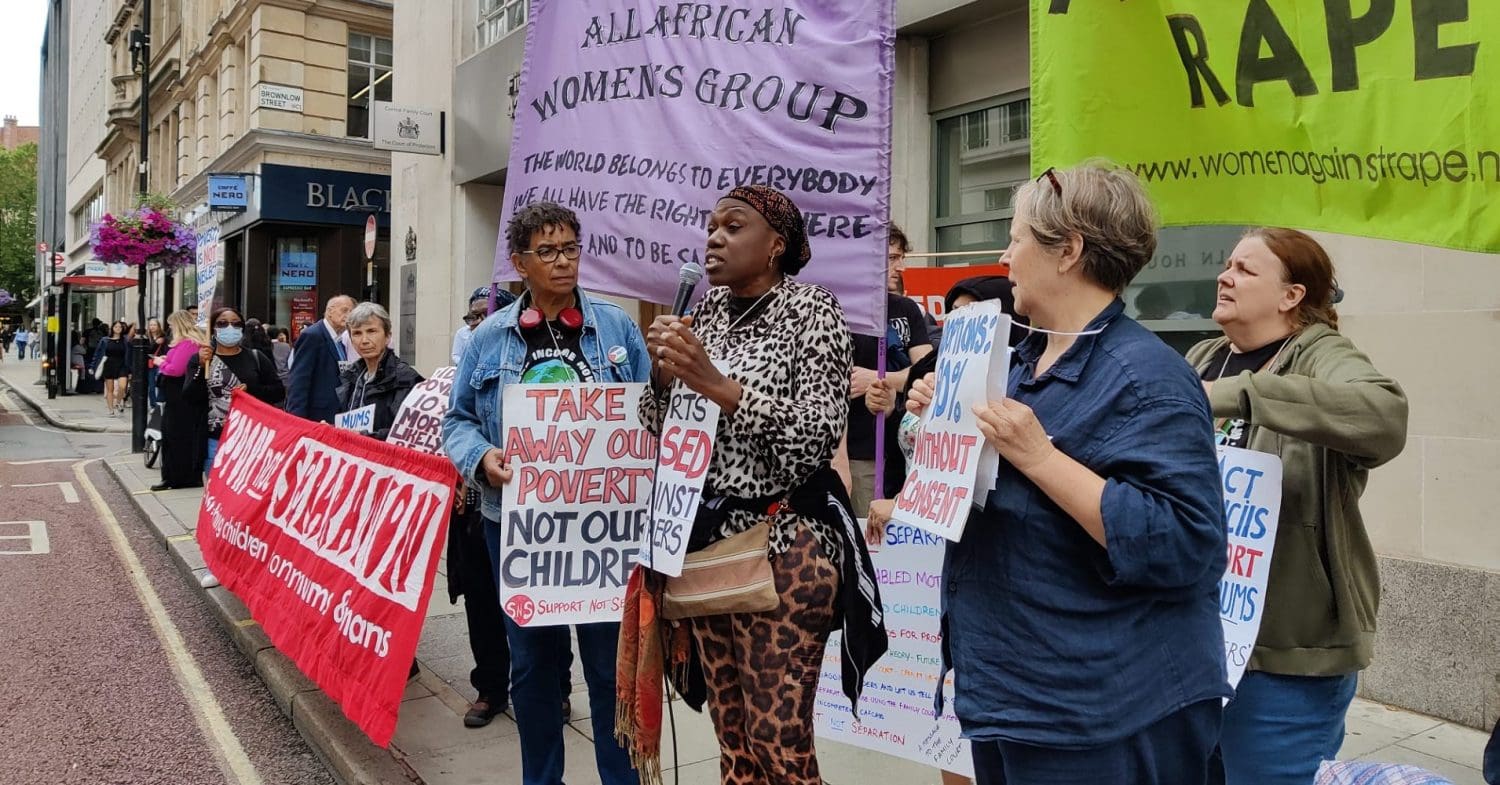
183 422
378 378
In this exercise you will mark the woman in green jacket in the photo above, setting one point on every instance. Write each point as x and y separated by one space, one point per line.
1284 381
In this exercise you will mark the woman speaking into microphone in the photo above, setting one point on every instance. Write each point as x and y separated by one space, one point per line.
775 355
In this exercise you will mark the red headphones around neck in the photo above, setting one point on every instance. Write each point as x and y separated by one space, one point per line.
570 318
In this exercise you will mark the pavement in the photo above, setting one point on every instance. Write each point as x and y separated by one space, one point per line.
432 747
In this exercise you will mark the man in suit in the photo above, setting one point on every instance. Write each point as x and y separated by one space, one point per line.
313 391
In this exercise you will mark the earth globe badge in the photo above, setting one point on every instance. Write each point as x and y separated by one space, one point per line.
550 372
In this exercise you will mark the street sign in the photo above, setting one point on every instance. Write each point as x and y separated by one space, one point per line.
370 230
59 261
41 248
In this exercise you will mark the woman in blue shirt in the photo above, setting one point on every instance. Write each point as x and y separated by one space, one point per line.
553 334
1080 607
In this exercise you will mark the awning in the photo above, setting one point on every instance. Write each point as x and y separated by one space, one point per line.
97 284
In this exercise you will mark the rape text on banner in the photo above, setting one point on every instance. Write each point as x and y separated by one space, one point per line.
791 94
685 453
419 423
1252 509
331 540
1238 111
950 449
575 511
895 711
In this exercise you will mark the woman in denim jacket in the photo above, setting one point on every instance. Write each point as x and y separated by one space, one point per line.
554 333
1080 607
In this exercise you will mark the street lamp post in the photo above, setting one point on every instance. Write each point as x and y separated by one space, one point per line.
141 49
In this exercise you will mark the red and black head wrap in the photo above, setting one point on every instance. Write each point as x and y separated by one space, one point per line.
784 217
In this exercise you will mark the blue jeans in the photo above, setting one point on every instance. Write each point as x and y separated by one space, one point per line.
1277 729
1172 751
538 657
213 449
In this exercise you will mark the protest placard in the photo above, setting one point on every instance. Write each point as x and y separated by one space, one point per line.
1240 112
331 540
419 423
896 709
1252 510
687 450
361 420
575 512
803 89
941 485
208 254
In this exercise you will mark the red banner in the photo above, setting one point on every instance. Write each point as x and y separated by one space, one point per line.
929 285
331 539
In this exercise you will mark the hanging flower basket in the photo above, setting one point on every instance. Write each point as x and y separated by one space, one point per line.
146 235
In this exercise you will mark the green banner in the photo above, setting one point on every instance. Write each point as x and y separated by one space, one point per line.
1364 117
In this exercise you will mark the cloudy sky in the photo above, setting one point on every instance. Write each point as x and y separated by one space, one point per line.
20 57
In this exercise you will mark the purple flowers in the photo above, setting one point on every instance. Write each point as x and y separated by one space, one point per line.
6 298
145 235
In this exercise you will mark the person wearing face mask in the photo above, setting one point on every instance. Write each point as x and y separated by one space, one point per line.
1284 381
1080 607
223 367
320 348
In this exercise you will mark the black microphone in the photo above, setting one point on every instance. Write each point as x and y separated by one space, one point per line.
687 280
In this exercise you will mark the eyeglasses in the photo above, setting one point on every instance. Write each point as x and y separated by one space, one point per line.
549 254
1051 175
227 323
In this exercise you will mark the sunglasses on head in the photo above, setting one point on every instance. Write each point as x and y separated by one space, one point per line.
1051 177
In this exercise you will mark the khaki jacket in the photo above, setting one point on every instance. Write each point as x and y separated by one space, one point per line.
1331 418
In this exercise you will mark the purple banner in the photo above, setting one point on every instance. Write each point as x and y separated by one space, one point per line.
640 115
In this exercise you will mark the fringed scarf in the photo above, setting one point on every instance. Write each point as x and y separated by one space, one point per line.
646 644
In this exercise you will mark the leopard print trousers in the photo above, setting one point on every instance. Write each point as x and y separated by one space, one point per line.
762 672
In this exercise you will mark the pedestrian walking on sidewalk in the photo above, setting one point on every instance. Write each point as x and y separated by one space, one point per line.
554 334
23 338
784 408
1283 380
112 359
1080 607
184 422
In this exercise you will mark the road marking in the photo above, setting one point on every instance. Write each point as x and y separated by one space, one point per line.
211 720
36 533
243 623
181 538
70 494
41 460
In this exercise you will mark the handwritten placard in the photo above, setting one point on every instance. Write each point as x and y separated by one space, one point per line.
575 511
687 450
1252 510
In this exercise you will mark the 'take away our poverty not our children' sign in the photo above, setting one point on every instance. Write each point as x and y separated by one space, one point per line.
575 512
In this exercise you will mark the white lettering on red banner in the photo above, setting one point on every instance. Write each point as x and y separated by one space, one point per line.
331 540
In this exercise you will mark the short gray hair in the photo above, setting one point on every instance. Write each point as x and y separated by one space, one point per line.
1104 204
364 312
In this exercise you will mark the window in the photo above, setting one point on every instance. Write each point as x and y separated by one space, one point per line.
498 19
90 214
369 79
983 153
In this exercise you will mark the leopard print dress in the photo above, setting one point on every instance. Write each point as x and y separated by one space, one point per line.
761 669
793 363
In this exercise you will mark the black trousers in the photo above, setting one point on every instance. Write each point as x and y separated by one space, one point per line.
469 566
